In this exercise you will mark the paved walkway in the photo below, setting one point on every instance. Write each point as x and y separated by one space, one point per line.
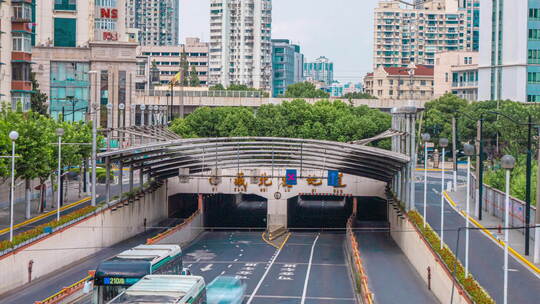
516 237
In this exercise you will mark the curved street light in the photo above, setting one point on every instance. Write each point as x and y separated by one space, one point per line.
508 162
13 135
425 138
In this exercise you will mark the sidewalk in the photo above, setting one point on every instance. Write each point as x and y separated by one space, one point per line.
516 237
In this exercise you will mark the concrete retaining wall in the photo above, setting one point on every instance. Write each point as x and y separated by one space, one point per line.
421 257
82 239
185 233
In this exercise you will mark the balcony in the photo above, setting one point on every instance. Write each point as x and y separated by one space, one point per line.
21 85
465 84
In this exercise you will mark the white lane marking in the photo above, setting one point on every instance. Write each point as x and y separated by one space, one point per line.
263 277
207 268
309 270
236 260
229 266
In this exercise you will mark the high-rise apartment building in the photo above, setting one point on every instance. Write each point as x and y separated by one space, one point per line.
168 59
287 65
84 58
240 43
413 33
156 21
319 70
16 39
509 66
456 73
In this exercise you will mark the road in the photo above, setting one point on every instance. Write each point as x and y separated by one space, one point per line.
309 269
47 286
391 275
485 258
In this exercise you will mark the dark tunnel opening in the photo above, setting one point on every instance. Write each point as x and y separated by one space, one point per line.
318 212
235 211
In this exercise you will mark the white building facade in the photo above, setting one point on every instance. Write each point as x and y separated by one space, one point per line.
156 22
240 43
509 66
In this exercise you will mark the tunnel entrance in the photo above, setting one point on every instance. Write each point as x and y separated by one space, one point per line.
235 211
318 212
182 205
372 211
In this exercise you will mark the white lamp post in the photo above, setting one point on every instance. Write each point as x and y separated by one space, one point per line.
469 151
508 162
94 152
59 133
443 142
13 135
425 138
109 125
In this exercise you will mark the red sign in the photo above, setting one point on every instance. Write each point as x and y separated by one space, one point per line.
110 36
109 13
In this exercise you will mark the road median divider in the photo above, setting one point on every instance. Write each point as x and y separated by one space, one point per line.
64 293
360 274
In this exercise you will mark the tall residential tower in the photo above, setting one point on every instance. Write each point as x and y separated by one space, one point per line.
413 33
240 43
156 21
509 66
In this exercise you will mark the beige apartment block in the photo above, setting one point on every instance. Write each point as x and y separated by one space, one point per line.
411 83
404 35
456 73
167 58
5 51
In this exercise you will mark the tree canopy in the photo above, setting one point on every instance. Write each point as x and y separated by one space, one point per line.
358 95
305 90
323 120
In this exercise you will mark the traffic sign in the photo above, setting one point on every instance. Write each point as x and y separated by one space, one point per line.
290 177
333 178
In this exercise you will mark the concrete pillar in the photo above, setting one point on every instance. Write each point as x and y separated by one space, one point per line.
200 203
121 179
412 165
277 213
355 206
130 178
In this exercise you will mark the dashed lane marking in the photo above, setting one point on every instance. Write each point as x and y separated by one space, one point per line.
274 258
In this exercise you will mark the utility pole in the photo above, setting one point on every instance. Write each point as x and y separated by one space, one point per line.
454 151
528 188
537 217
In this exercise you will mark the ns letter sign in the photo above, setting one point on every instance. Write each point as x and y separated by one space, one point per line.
111 13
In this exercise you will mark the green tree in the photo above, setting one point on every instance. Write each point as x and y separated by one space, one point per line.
438 115
358 95
194 78
184 69
217 87
38 100
304 90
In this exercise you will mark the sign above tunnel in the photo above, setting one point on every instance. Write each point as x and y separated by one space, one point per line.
333 178
291 177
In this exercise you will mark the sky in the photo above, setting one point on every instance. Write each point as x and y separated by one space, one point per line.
341 30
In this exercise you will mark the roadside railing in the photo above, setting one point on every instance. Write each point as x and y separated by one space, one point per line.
64 293
176 228
359 270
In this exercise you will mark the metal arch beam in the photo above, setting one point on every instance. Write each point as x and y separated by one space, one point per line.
254 151
182 161
249 151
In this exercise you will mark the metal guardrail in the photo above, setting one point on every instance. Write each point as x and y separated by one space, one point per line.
64 293
365 292
176 228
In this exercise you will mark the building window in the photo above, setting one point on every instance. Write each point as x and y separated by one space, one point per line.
22 11
533 98
379 82
141 68
21 71
106 24
22 42
534 34
391 92
65 5
20 99
65 32
106 3
533 77
534 14
423 82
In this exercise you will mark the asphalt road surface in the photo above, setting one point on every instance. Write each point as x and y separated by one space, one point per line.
309 269
485 257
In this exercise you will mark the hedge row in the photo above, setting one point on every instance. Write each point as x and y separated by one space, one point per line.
39 230
476 292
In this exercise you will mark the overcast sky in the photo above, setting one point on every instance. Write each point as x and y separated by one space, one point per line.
341 30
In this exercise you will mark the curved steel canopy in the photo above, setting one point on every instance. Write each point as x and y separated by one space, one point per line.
163 160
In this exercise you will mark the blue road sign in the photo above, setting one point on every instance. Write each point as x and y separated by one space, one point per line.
333 178
290 177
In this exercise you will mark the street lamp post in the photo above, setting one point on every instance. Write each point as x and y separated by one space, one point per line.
109 125
59 133
508 163
94 153
443 142
13 135
469 151
425 138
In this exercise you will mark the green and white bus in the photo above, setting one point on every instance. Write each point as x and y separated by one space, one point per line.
122 271
164 289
